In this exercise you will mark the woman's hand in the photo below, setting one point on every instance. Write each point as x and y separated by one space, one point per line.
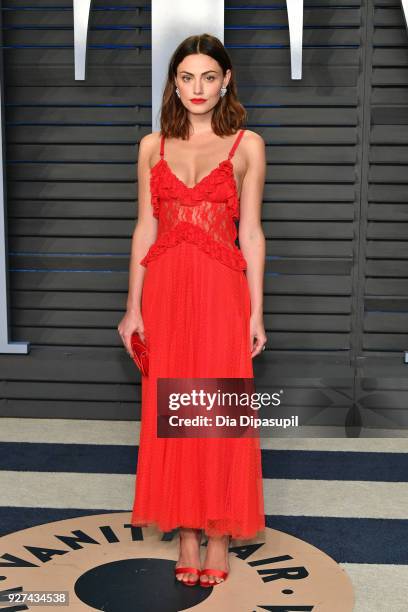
257 330
131 322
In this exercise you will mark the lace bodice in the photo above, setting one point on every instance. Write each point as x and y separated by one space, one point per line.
204 214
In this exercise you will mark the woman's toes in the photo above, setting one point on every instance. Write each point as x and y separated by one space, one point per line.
207 578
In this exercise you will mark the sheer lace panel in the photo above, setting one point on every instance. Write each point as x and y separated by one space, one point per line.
212 218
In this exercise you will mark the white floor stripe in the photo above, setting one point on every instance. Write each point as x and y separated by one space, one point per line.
287 497
70 431
372 445
66 490
76 431
359 499
379 588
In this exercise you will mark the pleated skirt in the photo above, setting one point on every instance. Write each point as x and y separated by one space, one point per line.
196 314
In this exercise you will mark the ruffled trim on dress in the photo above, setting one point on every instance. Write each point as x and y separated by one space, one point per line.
231 257
218 185
222 179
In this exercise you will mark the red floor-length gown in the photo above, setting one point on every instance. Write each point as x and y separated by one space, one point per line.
196 310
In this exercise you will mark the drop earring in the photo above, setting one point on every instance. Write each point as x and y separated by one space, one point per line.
178 91
223 91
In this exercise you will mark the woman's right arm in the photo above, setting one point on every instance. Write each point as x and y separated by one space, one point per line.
144 235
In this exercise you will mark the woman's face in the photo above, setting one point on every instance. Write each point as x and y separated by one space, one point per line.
200 77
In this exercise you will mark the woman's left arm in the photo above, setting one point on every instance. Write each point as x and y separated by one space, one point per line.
251 236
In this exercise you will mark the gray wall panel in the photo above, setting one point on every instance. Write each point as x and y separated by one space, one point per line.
334 211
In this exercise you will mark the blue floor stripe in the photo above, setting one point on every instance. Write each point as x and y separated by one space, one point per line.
346 540
335 465
350 540
82 458
115 459
13 518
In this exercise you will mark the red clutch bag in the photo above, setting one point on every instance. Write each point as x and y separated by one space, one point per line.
140 353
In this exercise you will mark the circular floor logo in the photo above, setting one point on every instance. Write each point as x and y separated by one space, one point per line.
103 563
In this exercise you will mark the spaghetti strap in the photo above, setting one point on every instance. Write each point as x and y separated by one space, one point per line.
162 146
236 143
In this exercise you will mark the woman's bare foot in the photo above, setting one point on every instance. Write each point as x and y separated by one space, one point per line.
189 555
216 557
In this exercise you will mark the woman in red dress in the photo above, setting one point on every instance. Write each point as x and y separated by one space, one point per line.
195 298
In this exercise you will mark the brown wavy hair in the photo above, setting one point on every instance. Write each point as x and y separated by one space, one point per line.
228 114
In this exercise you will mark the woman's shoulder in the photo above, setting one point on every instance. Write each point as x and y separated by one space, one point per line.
149 146
253 139
253 147
150 140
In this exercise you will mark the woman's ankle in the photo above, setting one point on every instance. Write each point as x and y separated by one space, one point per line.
189 531
221 538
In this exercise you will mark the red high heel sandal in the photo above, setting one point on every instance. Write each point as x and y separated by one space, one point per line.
189 570
214 572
